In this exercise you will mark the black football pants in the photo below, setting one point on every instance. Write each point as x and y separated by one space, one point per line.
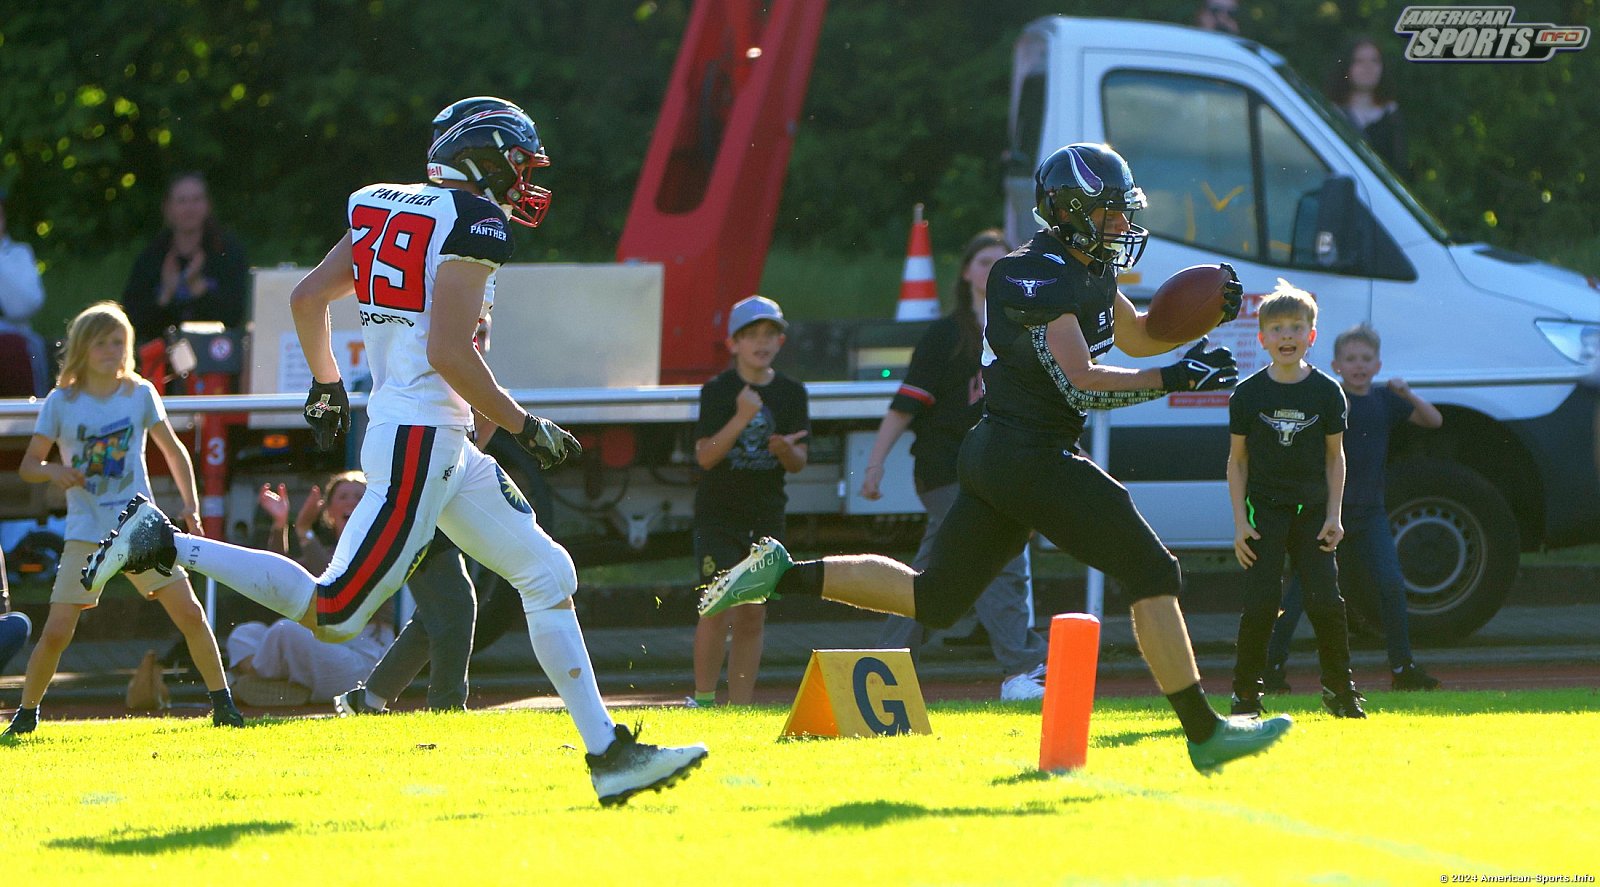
1014 482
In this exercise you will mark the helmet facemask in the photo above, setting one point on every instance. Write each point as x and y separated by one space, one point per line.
527 202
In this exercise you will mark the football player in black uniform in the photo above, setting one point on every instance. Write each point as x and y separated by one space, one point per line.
1054 310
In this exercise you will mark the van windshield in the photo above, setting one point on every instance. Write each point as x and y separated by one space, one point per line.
1340 125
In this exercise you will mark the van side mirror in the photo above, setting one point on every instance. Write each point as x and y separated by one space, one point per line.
1339 244
1335 232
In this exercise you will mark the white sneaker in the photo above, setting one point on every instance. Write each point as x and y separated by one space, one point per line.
628 767
142 540
1023 687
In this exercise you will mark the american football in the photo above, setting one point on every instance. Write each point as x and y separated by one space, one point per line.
1188 305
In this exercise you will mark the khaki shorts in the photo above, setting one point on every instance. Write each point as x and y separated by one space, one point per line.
69 585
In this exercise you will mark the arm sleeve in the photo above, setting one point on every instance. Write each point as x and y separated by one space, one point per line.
154 411
797 414
139 297
49 422
1032 291
714 412
1338 413
922 376
1239 412
1084 401
231 270
1400 409
479 233
21 292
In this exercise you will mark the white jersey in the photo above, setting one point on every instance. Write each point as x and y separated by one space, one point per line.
400 234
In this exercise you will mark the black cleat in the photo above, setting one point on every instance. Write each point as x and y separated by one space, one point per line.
1246 706
26 720
354 702
142 540
1344 704
1412 677
226 715
1276 680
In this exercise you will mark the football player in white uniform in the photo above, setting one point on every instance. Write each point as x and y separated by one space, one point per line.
418 259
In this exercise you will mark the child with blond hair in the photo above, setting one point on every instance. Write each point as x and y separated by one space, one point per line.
99 415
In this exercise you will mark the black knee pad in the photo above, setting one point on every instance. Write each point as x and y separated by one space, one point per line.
1159 577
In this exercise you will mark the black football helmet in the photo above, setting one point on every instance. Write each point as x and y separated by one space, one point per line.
455 112
1074 181
497 149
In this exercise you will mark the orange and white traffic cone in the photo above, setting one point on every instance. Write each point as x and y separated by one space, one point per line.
919 294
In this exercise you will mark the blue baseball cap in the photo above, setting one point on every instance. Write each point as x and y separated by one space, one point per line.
748 311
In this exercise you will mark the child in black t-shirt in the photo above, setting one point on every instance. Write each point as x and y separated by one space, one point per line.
1367 556
1286 479
752 426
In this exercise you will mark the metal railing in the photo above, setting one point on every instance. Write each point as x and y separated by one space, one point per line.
655 403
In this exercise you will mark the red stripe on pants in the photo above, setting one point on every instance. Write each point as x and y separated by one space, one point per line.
398 518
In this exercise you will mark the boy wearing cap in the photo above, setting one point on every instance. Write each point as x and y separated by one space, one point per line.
751 431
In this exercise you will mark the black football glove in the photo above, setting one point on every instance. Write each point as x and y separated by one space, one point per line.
1201 370
1232 294
328 413
548 442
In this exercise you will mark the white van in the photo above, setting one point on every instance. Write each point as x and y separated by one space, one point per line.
1243 162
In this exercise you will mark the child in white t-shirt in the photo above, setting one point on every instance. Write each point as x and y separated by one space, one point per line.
99 414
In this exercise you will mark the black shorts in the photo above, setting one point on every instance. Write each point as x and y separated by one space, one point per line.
718 547
1015 482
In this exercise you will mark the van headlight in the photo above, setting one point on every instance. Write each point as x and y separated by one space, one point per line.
1576 340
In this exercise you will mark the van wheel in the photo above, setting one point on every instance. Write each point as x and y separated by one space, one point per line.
1458 543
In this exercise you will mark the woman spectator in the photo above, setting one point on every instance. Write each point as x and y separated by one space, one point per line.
1358 86
192 270
283 663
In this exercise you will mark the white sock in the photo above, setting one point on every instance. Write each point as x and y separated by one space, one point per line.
268 578
558 645
374 700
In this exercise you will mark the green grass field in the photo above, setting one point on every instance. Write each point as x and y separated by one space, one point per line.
1448 783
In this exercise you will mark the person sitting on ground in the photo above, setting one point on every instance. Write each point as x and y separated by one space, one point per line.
284 663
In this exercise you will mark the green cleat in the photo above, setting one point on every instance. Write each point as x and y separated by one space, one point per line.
753 580
1236 738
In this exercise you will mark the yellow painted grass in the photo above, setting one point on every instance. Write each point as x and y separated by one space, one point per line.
1447 783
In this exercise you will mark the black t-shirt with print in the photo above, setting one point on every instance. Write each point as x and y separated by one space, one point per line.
746 487
1285 426
1029 288
944 397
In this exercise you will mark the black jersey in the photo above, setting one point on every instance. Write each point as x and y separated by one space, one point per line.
1285 426
1024 387
746 488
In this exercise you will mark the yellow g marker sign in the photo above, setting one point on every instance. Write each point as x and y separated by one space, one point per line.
858 693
